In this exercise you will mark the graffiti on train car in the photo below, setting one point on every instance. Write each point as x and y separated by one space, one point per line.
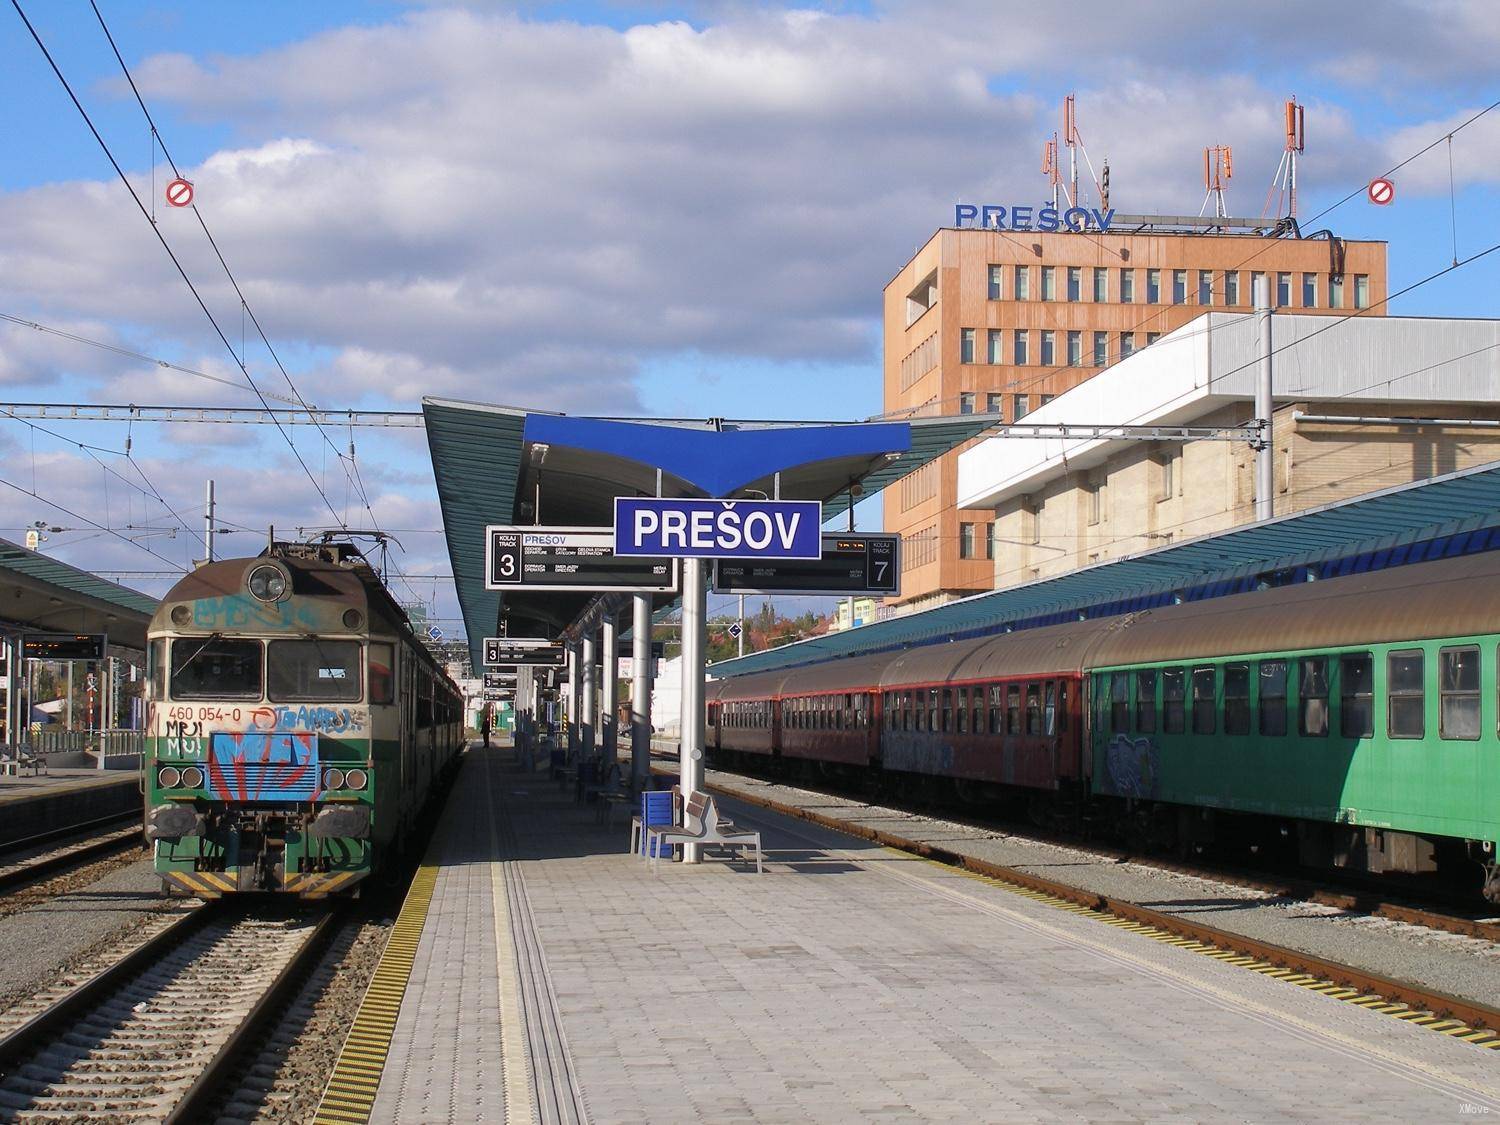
184 738
1134 766
236 611
918 755
313 719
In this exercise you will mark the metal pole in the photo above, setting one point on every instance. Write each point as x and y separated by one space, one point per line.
742 626
1265 452
14 666
208 522
575 698
609 705
640 692
589 712
694 646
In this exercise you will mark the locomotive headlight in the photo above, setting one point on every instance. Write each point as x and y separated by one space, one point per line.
268 583
353 619
192 778
355 779
333 779
170 777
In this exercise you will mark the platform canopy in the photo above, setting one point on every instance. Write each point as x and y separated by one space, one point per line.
504 465
45 595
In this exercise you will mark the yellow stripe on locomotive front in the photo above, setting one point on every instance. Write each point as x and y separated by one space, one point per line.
295 727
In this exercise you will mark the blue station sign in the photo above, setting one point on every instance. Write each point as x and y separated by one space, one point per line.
718 529
992 216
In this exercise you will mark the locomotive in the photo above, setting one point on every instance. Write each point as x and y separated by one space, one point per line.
295 726
1350 722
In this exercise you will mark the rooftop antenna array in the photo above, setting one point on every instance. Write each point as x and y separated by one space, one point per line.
1218 167
1050 168
1284 182
1072 139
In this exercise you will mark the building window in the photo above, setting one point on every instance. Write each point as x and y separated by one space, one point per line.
1022 347
989 541
1283 290
1232 288
1166 474
966 540
1049 347
966 402
1179 287
1127 287
922 298
1101 348
1075 349
1153 287
1406 691
996 273
992 403
1309 291
922 359
1045 399
1020 407
966 345
996 341
1335 292
1022 286
1075 283
1096 501
1458 693
1101 284
1361 290
1152 337
1127 344
1356 695
1205 287
1049 283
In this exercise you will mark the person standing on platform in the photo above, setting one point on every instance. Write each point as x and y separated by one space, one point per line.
484 726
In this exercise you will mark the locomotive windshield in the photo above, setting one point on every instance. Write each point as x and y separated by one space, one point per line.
215 668
314 671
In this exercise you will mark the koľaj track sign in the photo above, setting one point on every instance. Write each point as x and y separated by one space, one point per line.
569 558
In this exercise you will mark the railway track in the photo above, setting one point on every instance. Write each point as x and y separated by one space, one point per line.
1375 986
101 838
157 1035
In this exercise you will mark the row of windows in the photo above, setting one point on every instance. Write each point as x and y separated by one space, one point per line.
1209 287
994 403
1021 350
1031 708
973 537
842 711
746 713
919 486
922 359
1214 699
919 548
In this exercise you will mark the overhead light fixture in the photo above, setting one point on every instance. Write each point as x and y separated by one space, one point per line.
539 451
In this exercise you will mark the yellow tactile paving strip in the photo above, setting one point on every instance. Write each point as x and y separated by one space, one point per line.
350 1094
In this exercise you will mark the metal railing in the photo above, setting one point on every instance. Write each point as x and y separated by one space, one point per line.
106 744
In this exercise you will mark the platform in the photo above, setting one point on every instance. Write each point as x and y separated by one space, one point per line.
30 805
555 979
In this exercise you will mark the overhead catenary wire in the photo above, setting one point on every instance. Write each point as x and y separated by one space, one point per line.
92 523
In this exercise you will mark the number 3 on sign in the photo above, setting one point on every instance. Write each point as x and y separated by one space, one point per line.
505 558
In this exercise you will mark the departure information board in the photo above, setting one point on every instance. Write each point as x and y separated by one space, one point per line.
852 564
569 558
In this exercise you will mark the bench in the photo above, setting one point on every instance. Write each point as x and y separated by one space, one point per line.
702 825
18 760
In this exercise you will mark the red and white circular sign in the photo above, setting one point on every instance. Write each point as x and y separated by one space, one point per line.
180 193
1382 191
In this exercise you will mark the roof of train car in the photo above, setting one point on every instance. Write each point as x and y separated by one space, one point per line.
1054 650
1448 598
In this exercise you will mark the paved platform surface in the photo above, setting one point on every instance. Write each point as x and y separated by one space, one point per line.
557 980
61 779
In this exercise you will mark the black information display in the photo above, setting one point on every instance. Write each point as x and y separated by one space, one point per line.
851 564
569 558
63 646
502 650
502 679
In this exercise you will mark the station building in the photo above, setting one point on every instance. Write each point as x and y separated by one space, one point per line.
1368 404
1003 321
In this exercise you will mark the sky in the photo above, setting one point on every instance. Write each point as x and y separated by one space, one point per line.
662 209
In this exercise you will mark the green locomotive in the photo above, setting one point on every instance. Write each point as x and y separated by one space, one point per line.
296 726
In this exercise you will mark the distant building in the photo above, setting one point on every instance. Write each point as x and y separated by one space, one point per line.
1351 410
864 612
1001 322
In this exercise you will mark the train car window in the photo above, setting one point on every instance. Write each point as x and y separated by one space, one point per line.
947 709
997 709
1236 699
1033 708
1173 700
1049 708
1145 701
1406 694
382 673
156 670
1458 692
1312 696
932 710
1273 697
214 668
979 711
1356 695
962 717
316 672
1119 702
1204 713
1062 706
1013 709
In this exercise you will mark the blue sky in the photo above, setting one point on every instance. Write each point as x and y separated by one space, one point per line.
615 208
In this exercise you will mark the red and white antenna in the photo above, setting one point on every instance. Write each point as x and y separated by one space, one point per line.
1284 182
1073 139
1050 168
1218 167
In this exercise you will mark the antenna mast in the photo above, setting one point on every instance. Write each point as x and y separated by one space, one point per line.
1070 138
1218 167
1284 182
1050 168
